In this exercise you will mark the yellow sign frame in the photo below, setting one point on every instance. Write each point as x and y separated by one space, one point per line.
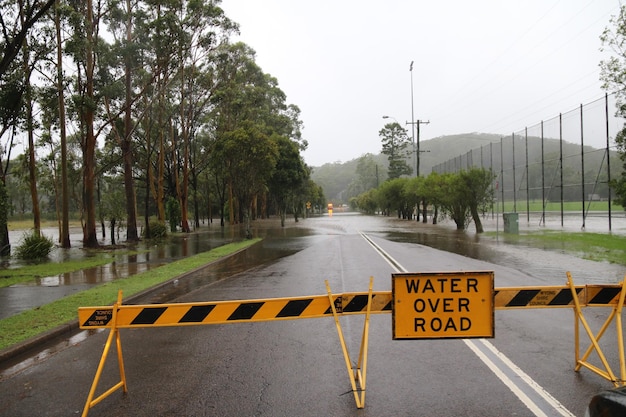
443 305
119 316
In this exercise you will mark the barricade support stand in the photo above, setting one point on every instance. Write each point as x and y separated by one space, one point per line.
358 372
616 313
114 333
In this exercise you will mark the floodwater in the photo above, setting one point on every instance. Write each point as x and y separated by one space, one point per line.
549 263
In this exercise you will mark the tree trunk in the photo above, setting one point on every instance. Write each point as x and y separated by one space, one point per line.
90 239
5 245
113 232
32 176
183 188
65 222
476 218
129 185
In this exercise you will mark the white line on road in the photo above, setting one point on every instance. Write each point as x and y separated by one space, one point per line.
500 364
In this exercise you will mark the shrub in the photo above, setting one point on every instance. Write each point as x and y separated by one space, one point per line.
34 246
172 210
157 230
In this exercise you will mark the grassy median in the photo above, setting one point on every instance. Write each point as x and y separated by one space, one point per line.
33 322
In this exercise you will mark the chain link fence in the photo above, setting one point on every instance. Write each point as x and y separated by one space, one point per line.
559 167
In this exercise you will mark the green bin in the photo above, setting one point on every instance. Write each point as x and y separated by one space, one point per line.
511 222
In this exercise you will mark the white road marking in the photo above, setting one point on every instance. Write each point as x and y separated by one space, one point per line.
500 364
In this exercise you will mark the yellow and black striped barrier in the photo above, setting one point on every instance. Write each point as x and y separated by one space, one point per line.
238 311
572 296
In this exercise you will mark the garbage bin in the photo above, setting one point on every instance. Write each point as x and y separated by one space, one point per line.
511 222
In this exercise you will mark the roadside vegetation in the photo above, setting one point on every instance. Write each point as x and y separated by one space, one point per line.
600 247
36 321
29 273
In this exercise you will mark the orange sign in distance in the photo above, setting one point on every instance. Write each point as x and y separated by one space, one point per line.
443 305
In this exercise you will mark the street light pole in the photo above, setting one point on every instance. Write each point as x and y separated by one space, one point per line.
416 150
416 143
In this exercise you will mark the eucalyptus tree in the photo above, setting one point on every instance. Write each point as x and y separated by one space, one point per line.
86 47
203 28
450 196
288 177
64 230
235 74
433 191
251 157
392 196
478 192
16 20
395 143
613 75
130 46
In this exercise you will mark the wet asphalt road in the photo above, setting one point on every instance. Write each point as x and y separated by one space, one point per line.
296 367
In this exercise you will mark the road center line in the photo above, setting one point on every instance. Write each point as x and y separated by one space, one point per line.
500 364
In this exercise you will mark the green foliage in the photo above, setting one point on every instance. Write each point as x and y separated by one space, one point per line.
395 143
34 246
461 196
619 184
172 210
30 323
613 75
157 230
5 246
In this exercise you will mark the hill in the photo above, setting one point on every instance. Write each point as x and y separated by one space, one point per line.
448 153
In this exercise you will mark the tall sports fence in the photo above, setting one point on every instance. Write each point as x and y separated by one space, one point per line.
559 166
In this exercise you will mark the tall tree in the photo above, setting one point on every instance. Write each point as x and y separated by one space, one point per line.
613 75
25 14
64 233
477 190
289 175
251 160
203 28
395 145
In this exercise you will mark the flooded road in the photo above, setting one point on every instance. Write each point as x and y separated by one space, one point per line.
278 242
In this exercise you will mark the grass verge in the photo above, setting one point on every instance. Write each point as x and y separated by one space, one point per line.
30 323
593 246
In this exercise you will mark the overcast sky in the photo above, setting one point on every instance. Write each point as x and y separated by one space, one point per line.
487 66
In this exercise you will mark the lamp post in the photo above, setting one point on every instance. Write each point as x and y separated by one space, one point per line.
416 150
416 141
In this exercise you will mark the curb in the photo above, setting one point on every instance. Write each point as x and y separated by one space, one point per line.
72 327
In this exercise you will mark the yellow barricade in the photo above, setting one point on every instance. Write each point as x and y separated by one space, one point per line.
120 316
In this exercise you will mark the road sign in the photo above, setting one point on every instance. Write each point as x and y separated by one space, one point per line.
443 305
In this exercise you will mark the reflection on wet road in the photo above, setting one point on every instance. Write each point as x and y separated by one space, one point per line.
279 242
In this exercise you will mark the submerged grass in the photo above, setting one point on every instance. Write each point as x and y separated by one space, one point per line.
33 322
28 273
593 246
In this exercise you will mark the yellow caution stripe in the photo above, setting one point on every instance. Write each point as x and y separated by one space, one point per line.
181 314
529 297
556 296
237 311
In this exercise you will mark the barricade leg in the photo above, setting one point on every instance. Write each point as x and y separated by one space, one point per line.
607 373
356 373
115 333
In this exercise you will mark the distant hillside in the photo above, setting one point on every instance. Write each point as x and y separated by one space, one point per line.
335 178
